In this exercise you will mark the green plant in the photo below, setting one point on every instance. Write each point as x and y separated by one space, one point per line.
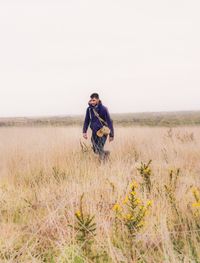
146 172
85 228
170 188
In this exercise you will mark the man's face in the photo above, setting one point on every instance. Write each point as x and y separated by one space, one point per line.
94 101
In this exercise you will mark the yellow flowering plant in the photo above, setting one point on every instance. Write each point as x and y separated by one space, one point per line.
133 211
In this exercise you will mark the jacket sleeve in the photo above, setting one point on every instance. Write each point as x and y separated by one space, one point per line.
109 122
87 121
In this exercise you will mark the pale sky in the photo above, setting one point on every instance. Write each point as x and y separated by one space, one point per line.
139 55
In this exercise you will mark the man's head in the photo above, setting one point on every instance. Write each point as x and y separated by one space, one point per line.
94 99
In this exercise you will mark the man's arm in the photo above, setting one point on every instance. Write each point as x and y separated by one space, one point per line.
86 123
110 123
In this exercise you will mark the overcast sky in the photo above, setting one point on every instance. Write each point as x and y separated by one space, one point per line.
140 55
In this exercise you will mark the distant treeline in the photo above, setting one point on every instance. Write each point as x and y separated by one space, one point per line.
168 119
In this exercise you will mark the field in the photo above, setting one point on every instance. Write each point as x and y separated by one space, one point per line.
58 203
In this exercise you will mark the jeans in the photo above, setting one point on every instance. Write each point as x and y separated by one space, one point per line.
98 144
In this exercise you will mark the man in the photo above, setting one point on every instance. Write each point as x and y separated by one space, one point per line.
96 115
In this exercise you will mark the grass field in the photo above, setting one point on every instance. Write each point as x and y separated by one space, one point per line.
59 204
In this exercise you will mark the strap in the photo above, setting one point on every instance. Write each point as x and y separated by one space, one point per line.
100 119
90 113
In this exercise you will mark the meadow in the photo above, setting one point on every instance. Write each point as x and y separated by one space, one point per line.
58 203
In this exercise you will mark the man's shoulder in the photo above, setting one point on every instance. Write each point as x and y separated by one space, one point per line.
104 108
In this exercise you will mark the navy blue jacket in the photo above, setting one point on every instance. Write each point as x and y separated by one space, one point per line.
93 120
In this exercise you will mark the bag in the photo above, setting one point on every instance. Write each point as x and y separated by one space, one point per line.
104 130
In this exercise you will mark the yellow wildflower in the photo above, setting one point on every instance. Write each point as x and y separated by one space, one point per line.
78 214
137 201
125 200
134 184
128 216
117 208
147 170
149 203
141 224
133 193
196 204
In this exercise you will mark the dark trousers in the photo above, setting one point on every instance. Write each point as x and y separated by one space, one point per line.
98 144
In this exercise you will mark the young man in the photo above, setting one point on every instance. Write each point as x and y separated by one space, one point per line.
96 116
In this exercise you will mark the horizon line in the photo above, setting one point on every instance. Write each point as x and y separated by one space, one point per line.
112 113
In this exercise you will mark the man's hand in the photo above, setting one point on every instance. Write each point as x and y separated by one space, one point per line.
111 139
85 136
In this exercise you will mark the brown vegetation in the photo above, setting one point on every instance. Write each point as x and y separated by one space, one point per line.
59 204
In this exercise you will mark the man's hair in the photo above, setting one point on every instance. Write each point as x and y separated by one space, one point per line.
94 95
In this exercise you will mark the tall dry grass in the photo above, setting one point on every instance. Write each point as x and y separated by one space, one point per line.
44 173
